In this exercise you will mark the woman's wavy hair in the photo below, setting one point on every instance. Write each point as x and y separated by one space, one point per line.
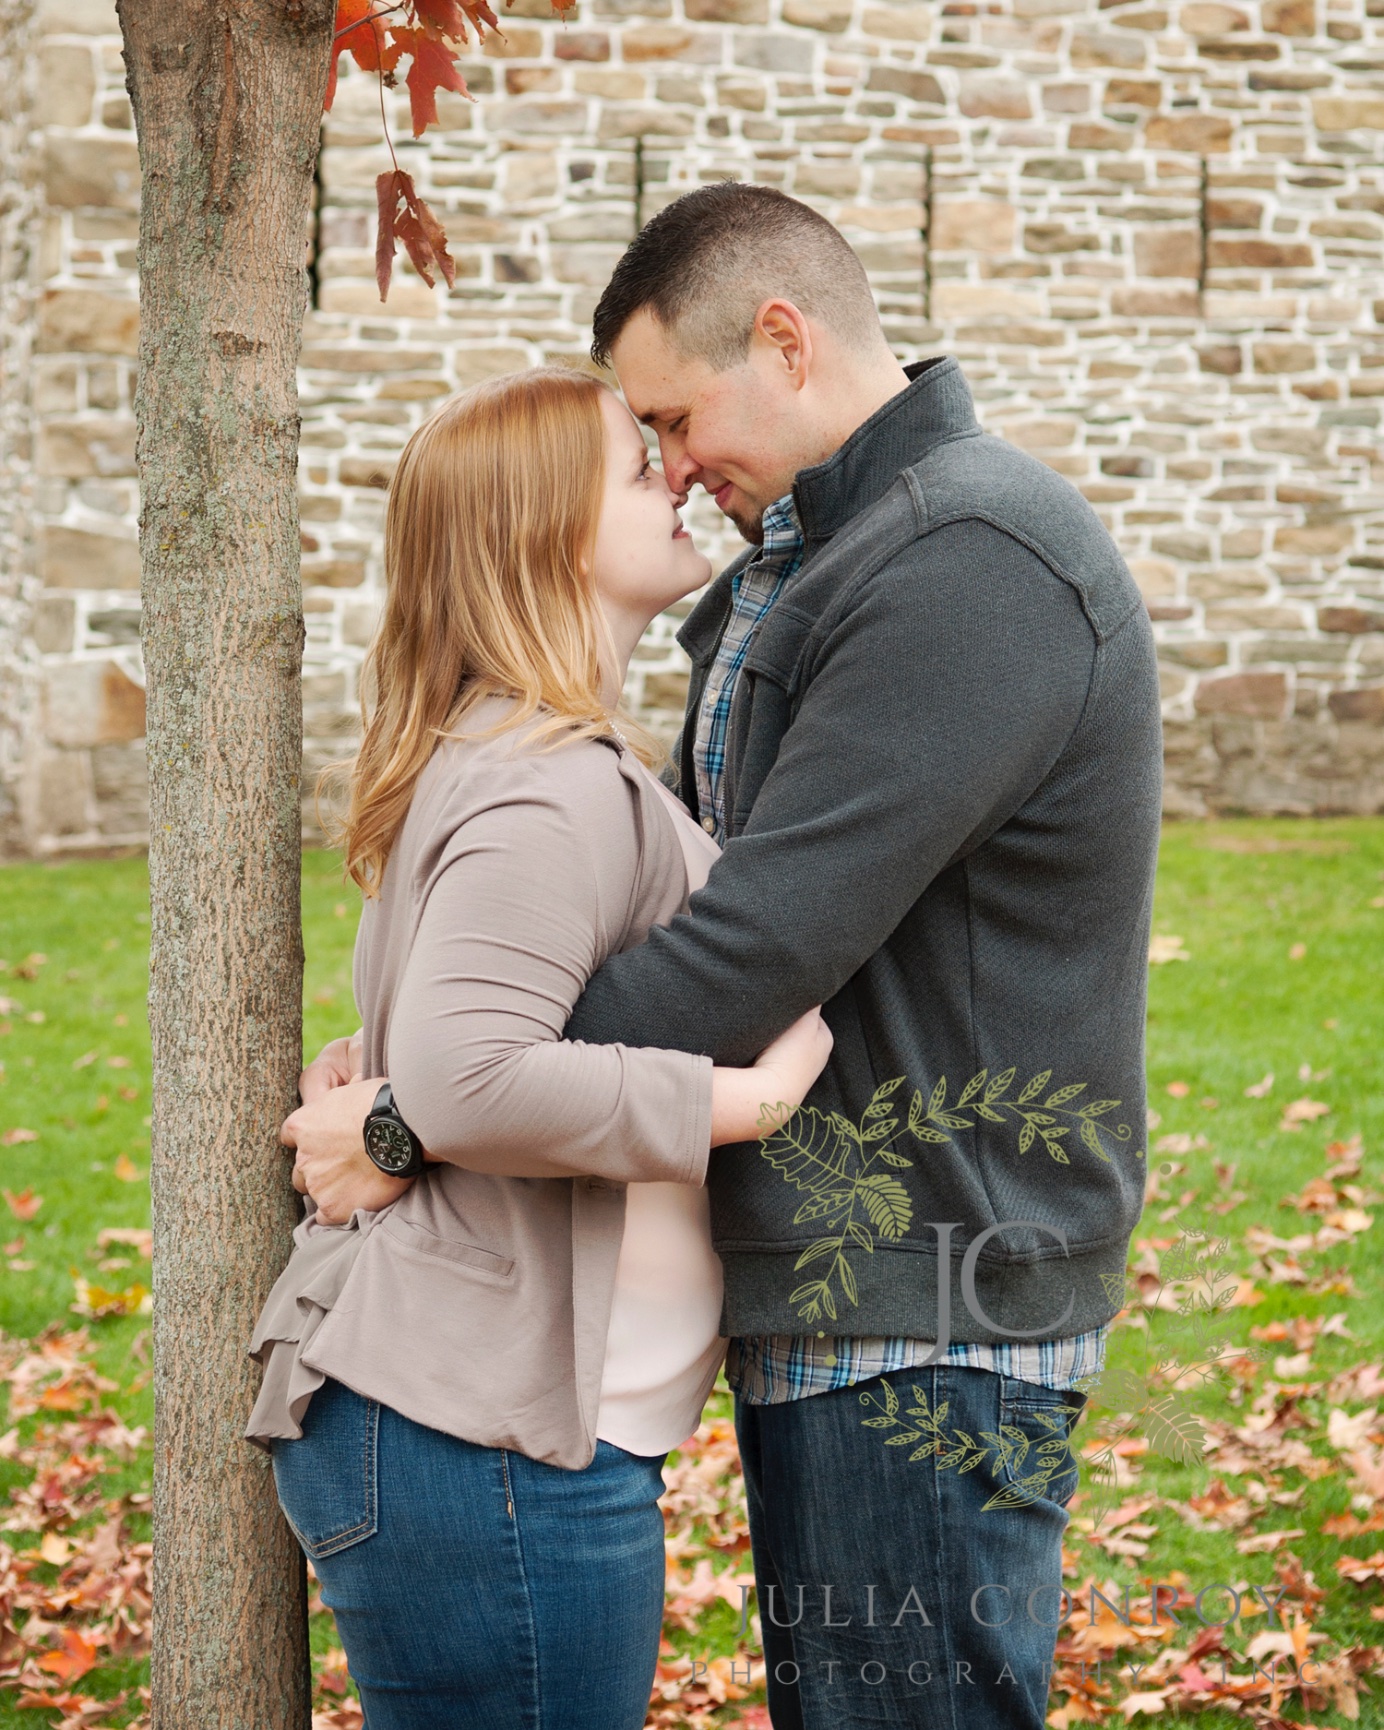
489 533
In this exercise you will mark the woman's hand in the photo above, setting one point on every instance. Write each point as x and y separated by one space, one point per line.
336 1064
780 1076
328 1135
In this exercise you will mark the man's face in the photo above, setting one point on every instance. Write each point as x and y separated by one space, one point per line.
732 432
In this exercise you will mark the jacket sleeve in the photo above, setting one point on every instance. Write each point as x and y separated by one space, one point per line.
938 701
519 908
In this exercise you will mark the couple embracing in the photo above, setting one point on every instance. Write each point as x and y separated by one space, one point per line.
777 1060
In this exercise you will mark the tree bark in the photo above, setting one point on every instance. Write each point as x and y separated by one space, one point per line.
227 97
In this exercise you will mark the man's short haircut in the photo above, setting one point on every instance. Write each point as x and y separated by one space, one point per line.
706 264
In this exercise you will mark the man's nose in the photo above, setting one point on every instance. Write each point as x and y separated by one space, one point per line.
679 471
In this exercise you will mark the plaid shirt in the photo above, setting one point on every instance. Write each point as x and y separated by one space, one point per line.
753 592
771 1371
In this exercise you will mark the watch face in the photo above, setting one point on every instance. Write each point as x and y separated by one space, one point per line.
388 1145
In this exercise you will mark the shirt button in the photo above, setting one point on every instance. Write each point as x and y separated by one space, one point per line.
709 824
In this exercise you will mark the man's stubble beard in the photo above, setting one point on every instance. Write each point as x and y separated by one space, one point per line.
749 526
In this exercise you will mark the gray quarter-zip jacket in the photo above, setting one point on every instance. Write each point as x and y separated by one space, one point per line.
943 777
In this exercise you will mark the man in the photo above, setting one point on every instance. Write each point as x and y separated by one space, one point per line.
923 719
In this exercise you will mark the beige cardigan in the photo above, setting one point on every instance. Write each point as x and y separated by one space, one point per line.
479 1302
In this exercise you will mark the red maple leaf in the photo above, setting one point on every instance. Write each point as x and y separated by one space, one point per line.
76 1657
361 33
434 68
403 216
447 17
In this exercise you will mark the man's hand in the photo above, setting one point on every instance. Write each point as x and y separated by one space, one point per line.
331 1164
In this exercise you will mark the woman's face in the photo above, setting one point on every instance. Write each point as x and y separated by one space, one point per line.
644 559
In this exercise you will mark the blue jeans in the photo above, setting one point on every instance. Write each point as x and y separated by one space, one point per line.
475 1589
887 1596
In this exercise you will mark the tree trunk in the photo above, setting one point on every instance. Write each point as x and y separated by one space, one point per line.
228 100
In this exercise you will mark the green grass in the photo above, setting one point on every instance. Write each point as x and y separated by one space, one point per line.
1241 895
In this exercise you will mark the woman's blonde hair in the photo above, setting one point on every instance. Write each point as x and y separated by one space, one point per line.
489 533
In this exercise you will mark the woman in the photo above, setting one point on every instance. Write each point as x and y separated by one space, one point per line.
472 1376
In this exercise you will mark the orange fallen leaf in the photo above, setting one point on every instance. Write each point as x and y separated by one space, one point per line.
65 1397
78 1655
13 1137
1178 1089
126 1169
1298 952
24 1205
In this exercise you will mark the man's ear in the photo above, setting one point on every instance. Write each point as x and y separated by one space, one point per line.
783 329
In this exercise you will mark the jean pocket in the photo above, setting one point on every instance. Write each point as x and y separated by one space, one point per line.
328 1479
1036 1424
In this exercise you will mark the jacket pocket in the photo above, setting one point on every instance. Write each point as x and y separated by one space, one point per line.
328 1479
1036 1424
468 1255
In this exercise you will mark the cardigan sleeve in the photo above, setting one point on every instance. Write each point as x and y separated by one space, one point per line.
523 900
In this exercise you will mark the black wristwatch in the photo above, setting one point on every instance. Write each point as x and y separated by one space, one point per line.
389 1141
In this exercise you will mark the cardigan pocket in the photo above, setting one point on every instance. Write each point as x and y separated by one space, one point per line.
468 1255
327 1479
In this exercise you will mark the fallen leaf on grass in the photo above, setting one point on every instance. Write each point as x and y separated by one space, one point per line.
1300 1111
1178 1089
1351 1525
76 1657
95 1301
1298 952
1345 1433
1265 1543
126 1169
1361 1571
1165 949
13 1137
24 1205
85 1061
1260 1089
335 1676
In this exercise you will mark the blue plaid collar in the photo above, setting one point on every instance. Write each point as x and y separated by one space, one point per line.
783 535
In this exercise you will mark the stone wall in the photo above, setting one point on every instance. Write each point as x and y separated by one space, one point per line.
18 580
1151 232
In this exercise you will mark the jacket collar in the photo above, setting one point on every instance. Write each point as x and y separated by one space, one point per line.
935 406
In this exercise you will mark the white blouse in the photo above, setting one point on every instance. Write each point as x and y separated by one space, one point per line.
664 1346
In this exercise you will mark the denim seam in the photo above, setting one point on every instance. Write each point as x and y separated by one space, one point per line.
938 1390
535 1671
